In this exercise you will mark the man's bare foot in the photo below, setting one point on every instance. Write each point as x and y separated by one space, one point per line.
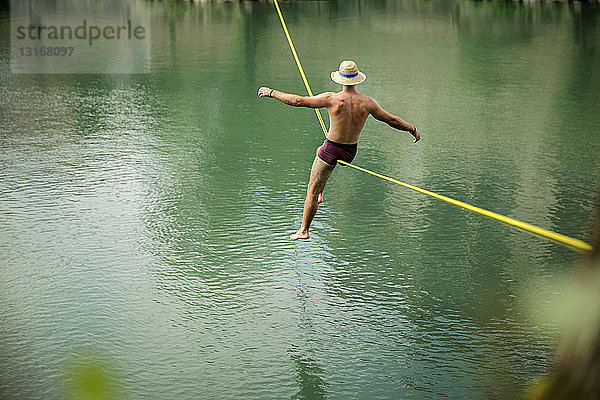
300 235
320 200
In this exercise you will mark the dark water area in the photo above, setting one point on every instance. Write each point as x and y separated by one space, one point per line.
145 218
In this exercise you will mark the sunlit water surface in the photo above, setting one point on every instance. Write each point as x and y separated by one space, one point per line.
144 218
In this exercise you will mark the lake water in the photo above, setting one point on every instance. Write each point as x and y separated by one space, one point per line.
145 218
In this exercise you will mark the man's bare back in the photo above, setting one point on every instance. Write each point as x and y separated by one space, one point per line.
348 112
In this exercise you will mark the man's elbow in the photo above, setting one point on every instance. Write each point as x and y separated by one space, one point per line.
304 102
391 121
386 118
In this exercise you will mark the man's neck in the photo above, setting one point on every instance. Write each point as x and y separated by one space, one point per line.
349 89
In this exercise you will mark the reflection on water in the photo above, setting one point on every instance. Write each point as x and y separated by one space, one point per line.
310 385
145 217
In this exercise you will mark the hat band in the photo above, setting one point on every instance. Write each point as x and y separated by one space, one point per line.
348 76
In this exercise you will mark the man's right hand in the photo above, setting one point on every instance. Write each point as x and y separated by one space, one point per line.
417 135
263 91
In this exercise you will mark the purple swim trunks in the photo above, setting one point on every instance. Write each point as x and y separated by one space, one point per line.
330 152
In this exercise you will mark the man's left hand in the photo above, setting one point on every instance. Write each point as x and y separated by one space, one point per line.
264 91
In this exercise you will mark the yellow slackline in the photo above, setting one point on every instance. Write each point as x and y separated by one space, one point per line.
287 34
572 243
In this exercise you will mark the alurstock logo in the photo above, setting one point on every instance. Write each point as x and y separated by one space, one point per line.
71 36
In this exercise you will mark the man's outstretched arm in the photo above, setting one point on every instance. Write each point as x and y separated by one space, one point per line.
319 101
392 120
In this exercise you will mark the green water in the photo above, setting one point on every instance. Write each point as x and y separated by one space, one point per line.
144 218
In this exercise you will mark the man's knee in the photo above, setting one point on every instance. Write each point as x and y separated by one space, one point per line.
313 190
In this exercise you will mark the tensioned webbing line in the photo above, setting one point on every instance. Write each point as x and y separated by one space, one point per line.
567 241
310 93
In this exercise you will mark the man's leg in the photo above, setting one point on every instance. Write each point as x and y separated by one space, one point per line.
320 198
319 173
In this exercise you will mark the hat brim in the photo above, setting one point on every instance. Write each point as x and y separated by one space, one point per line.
337 78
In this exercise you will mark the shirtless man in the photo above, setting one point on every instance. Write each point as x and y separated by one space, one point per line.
348 111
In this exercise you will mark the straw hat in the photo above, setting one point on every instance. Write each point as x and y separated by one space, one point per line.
348 74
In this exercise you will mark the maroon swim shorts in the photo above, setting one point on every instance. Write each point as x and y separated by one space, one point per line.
330 152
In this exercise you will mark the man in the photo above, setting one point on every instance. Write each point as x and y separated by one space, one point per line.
348 111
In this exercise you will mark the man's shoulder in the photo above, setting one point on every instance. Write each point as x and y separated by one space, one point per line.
367 98
368 102
327 94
